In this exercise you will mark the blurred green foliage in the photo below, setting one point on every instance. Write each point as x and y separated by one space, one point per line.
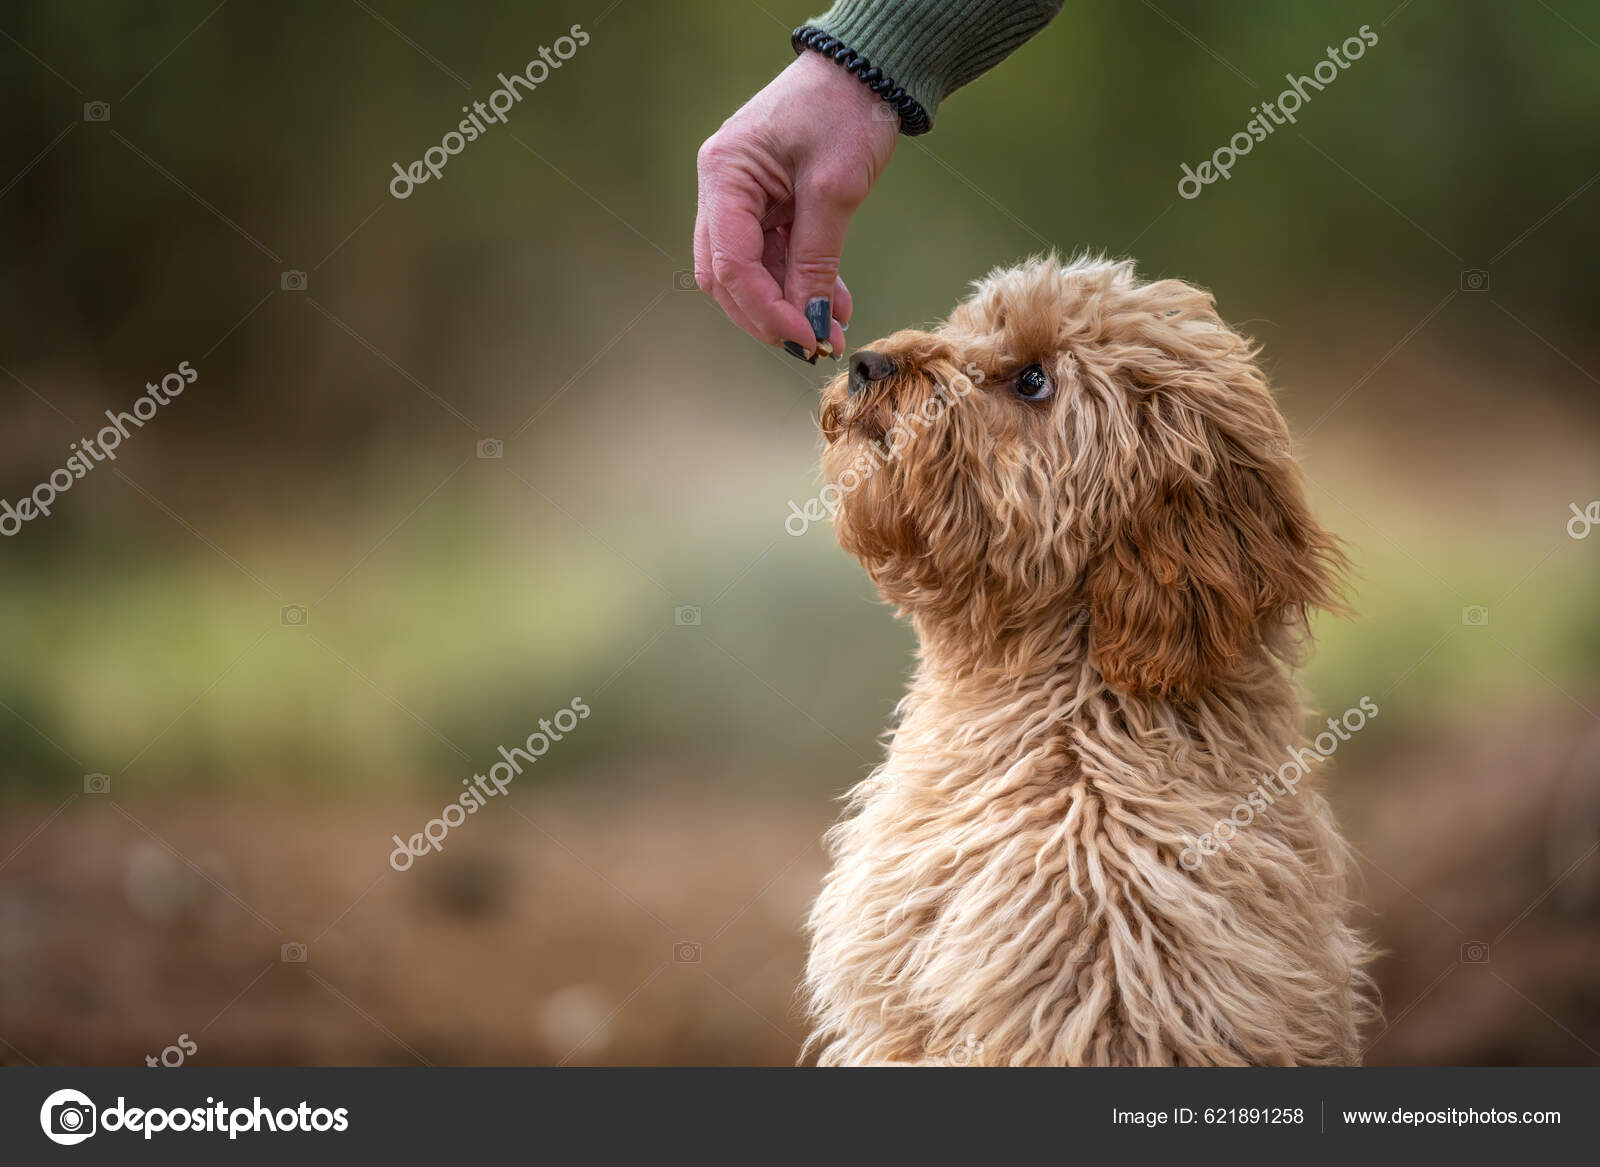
534 285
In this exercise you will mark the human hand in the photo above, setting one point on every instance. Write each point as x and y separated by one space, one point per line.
778 184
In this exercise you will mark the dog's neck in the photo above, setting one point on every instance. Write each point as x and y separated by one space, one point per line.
1045 681
970 654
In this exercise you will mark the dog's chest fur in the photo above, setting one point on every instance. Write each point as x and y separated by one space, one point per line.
1005 891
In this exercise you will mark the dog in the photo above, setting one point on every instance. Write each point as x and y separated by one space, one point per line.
1079 490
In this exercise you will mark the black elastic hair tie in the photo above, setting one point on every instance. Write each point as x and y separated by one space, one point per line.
913 118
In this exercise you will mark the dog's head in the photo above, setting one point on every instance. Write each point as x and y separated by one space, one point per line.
1073 444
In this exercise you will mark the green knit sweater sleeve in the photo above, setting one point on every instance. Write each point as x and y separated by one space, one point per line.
931 48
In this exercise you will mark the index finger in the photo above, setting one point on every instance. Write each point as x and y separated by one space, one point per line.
737 243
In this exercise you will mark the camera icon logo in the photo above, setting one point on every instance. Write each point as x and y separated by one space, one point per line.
1474 279
1475 952
491 448
97 111
683 281
292 953
292 280
967 1054
1475 616
687 616
97 783
293 616
685 952
67 1117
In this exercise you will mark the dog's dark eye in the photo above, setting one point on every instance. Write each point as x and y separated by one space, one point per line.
1033 384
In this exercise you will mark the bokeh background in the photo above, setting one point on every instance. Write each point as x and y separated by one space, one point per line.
302 606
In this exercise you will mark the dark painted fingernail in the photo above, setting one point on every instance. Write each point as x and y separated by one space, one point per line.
797 352
820 313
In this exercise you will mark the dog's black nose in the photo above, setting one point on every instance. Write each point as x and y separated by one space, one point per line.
866 367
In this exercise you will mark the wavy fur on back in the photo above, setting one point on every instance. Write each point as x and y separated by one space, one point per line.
1108 587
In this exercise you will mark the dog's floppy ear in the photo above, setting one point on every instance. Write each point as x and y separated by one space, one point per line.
1204 568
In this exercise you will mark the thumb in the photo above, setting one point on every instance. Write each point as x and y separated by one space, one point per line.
816 242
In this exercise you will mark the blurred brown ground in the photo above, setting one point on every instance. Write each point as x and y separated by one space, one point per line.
637 928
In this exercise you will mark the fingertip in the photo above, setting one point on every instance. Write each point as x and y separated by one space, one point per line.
785 322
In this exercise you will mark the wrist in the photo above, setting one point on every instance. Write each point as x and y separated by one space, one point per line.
885 100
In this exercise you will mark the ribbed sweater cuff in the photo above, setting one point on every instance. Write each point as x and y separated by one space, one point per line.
930 48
